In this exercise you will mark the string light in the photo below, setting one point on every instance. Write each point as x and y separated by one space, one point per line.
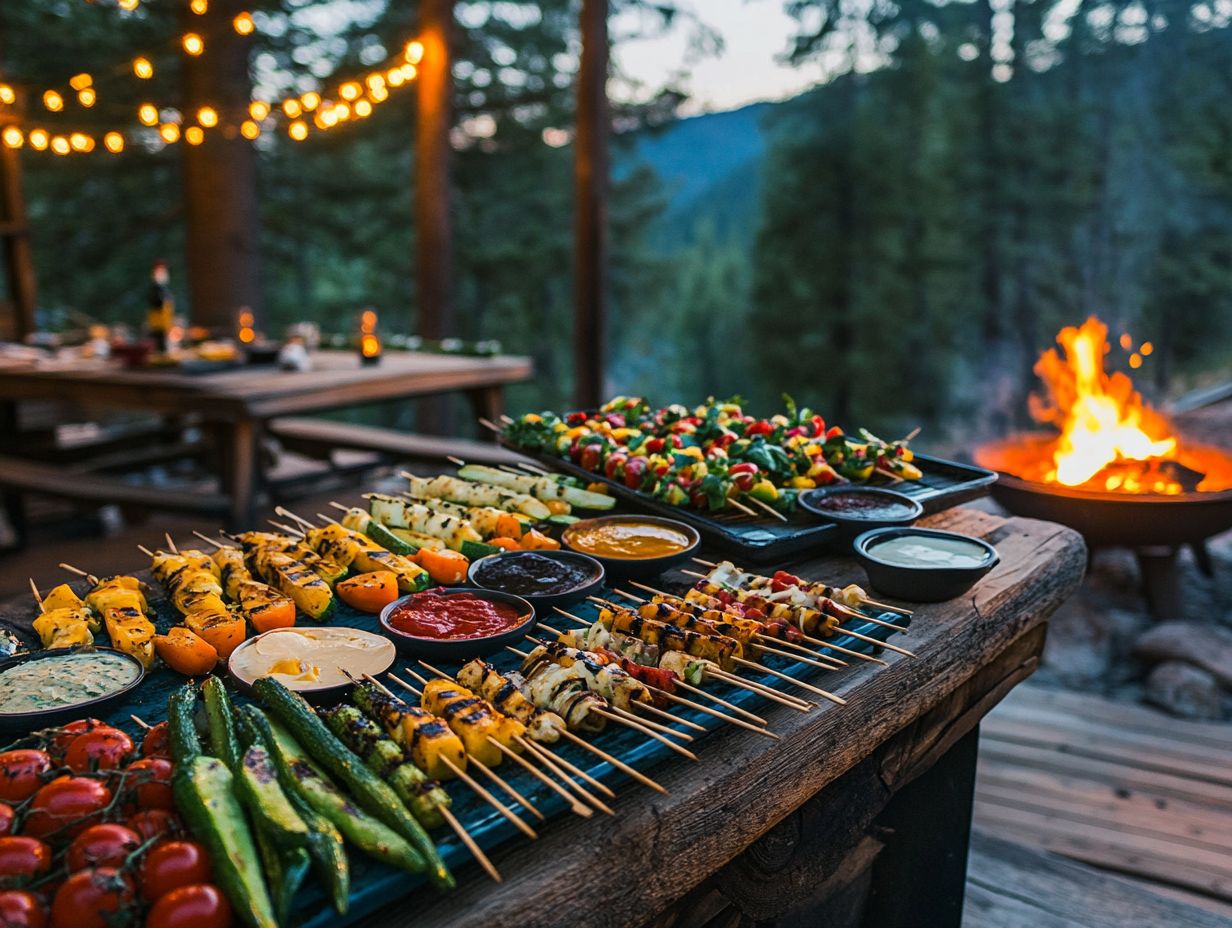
350 90
311 100
79 141
170 132
249 129
86 97
60 145
7 96
53 101
207 116
127 5
38 139
12 137
298 130
291 107
143 68
414 51
200 7
114 142
363 109
81 81
194 135
243 24
193 44
147 113
258 109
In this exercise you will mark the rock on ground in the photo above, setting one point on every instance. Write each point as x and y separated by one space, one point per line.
1205 646
1185 690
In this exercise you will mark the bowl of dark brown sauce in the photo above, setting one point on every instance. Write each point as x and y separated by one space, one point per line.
542 578
859 509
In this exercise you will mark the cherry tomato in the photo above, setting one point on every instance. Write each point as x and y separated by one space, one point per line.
67 805
100 749
20 909
169 865
21 773
6 818
156 742
198 906
149 781
23 857
60 743
154 823
88 897
101 846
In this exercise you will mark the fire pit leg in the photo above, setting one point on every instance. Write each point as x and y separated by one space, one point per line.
1161 582
1202 557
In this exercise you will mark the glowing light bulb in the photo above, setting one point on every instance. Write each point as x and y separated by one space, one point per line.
86 97
7 95
298 130
60 145
194 135
12 137
207 116
350 90
374 80
80 81
53 101
328 119
127 5
258 109
409 71
114 142
200 7
363 109
342 112
414 51
291 107
143 68
249 129
243 24
147 114
39 139
78 141
379 94
193 43
311 100
395 77
170 132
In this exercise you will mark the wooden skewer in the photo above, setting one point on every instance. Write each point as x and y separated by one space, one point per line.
282 511
452 459
283 527
490 425
572 768
144 550
170 543
37 598
550 762
328 520
729 719
877 641
796 647
508 420
79 572
462 775
575 807
480 857
339 506
140 721
793 702
837 700
637 725
811 661
210 541
736 504
719 700
614 761
655 710
534 468
767 508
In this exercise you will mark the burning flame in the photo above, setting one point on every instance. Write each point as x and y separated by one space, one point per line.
1103 420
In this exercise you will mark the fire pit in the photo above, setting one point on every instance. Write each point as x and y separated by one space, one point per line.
1114 469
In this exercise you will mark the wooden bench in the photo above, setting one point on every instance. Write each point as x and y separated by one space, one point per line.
318 437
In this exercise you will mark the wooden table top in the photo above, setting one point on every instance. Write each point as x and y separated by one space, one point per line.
337 379
621 872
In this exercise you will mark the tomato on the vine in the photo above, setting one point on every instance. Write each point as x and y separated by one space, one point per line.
172 864
22 858
153 823
156 742
68 803
100 749
21 773
21 909
66 734
198 906
106 845
89 897
149 781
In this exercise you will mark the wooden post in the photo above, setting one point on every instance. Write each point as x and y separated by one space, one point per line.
15 241
220 182
433 225
590 209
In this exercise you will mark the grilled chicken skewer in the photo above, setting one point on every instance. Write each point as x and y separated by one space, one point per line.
850 595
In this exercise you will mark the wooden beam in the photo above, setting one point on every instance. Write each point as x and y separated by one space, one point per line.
220 179
590 209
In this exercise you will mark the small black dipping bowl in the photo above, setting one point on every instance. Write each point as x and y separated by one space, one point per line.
920 584
852 522
636 568
460 649
592 568
46 718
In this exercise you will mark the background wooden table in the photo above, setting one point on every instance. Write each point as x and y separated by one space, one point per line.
860 815
236 404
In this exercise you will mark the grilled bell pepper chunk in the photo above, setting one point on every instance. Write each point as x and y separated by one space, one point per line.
222 629
429 741
311 594
345 546
64 628
131 632
62 597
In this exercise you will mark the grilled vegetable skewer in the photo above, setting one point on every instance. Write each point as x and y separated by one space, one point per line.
122 606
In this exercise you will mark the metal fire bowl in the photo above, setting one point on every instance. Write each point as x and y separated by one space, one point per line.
1111 519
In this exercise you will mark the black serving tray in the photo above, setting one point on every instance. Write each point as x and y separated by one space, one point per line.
764 539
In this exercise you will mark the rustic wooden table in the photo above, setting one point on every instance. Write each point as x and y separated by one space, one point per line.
237 403
860 815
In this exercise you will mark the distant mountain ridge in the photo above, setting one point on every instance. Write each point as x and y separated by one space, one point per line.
710 168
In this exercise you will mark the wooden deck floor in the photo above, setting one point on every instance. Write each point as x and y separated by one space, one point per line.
1118 789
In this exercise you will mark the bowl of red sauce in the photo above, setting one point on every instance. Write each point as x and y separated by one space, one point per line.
456 622
859 509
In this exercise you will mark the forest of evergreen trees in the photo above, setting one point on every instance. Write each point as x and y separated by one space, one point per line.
973 176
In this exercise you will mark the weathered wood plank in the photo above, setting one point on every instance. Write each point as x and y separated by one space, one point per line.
317 435
1009 886
662 847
